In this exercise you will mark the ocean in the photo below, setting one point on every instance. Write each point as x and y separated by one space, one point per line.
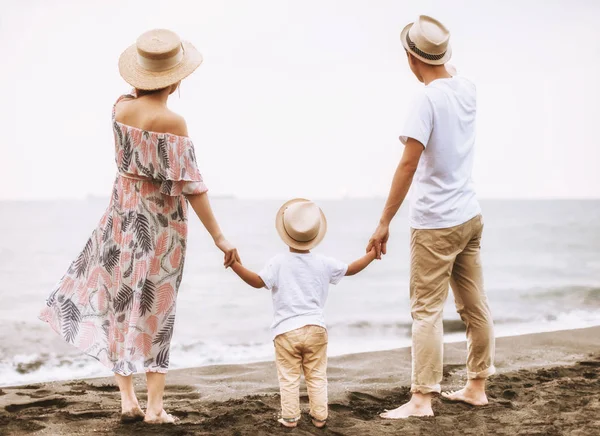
541 264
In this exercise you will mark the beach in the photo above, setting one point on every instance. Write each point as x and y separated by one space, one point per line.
547 384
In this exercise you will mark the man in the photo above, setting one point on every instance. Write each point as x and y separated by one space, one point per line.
445 219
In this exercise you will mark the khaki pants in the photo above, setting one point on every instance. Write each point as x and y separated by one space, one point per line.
303 350
438 258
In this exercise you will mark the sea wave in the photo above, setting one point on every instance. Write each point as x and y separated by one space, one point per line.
354 337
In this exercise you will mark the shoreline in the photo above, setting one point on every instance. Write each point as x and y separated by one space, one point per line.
456 334
243 399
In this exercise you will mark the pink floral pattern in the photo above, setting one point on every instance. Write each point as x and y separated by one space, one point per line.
116 302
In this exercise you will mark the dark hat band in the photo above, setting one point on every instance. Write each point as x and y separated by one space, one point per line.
421 53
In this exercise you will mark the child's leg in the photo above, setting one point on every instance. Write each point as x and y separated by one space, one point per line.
314 364
289 366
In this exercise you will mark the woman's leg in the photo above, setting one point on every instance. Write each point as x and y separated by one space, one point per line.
130 408
155 413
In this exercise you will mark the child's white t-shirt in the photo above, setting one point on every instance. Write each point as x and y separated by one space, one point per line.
299 284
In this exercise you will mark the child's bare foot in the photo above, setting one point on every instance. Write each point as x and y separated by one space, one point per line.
288 424
135 414
319 423
162 418
469 396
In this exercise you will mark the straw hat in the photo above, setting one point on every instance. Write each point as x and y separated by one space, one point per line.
428 40
158 59
301 224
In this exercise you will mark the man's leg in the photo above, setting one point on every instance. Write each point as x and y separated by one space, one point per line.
432 257
472 305
288 360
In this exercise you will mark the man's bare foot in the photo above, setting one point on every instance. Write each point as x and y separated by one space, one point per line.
288 424
419 405
133 415
469 396
162 418
407 410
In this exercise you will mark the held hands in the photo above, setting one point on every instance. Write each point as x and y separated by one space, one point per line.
230 252
378 241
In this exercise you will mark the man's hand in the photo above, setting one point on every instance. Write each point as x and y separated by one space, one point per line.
379 240
230 252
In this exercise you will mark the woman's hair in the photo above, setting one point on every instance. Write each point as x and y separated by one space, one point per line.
141 92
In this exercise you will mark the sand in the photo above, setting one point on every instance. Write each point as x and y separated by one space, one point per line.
548 384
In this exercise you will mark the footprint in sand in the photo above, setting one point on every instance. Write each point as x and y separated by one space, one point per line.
51 402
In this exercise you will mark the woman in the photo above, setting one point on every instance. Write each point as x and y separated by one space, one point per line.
117 300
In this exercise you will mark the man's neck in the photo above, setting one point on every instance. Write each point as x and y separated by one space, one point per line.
434 72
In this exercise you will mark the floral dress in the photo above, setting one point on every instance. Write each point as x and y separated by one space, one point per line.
116 302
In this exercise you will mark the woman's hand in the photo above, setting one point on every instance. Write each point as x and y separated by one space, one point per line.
230 252
379 240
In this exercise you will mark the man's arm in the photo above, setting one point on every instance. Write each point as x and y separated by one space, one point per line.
360 264
400 186
248 276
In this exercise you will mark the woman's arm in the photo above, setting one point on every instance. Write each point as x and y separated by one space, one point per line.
248 276
201 206
360 264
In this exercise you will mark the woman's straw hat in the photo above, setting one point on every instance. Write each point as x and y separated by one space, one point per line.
158 59
301 224
428 40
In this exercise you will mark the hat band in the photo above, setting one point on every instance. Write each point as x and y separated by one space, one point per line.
421 53
158 65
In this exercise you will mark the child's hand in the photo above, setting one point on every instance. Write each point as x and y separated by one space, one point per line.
373 254
230 252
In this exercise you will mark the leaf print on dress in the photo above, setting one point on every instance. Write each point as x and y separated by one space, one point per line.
163 154
117 300
147 297
110 259
82 263
143 341
124 299
143 232
166 297
166 333
70 320
162 359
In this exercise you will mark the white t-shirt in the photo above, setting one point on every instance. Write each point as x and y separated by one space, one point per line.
299 284
443 120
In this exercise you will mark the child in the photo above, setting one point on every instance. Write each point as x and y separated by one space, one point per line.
299 283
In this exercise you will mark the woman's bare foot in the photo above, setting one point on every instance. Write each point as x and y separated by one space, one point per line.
465 395
288 424
135 414
162 418
419 405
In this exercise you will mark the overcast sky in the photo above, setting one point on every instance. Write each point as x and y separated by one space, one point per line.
302 98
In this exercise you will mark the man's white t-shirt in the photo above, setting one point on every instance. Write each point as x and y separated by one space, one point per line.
443 120
299 284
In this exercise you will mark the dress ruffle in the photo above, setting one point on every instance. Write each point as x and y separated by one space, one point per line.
166 158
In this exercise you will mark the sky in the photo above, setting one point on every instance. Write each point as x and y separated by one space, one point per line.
302 98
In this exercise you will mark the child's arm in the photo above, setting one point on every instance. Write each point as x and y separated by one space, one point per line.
360 264
248 276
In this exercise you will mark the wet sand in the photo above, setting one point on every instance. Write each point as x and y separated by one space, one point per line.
548 384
